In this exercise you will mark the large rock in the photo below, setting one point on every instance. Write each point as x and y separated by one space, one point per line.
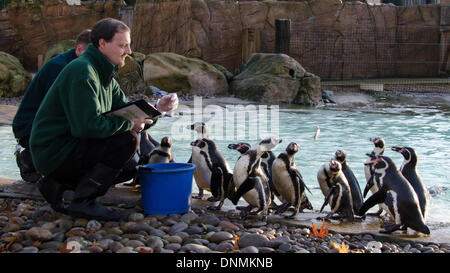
276 78
129 76
14 79
176 73
58 48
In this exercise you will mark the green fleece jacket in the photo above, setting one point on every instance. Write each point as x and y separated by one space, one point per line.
73 107
36 92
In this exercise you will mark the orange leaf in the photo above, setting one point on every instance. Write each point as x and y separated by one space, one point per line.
342 248
142 250
64 249
323 230
236 245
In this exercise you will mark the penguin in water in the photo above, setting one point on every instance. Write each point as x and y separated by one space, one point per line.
202 182
409 171
288 181
162 154
357 198
373 183
339 194
215 170
250 181
398 195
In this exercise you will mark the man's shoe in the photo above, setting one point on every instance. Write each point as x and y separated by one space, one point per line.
91 209
52 191
94 184
26 167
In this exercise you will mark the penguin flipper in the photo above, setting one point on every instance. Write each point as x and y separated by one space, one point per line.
376 198
302 182
216 181
246 186
190 159
327 198
369 185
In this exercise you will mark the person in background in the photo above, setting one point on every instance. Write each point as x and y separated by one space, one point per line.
32 99
72 144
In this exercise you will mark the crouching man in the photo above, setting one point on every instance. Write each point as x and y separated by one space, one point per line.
72 144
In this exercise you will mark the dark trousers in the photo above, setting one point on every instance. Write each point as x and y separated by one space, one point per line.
114 152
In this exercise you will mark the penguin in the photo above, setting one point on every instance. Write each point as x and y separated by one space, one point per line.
398 195
215 170
267 160
379 148
250 181
201 128
373 183
357 198
339 194
325 176
288 181
202 132
241 147
161 154
409 171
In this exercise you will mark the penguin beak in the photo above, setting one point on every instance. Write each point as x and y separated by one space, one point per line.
233 146
396 148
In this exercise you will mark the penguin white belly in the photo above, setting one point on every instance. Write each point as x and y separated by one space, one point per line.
202 174
240 171
367 171
322 179
391 206
282 182
252 198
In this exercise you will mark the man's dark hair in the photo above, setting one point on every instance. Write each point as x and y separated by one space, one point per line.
84 37
106 28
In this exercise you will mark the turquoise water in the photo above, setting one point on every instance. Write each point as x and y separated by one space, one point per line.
425 129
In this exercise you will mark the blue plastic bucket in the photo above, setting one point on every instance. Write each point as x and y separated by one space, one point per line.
166 188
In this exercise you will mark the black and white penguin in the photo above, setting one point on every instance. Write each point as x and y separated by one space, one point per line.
339 195
202 132
288 181
378 149
250 181
162 153
398 195
357 197
409 171
215 170
326 174
241 147
267 160
373 183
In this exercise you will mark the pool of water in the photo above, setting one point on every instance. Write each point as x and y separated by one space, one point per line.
426 129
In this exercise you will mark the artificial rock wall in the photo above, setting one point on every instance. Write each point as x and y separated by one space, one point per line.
214 30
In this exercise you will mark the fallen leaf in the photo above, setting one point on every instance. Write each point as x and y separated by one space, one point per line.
343 248
236 245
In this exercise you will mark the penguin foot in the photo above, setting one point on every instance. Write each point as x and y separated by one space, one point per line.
213 199
215 208
248 208
197 196
282 208
389 228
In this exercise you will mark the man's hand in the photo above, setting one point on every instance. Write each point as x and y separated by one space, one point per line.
139 124
167 103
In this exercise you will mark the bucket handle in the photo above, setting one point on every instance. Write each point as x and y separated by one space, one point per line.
152 169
